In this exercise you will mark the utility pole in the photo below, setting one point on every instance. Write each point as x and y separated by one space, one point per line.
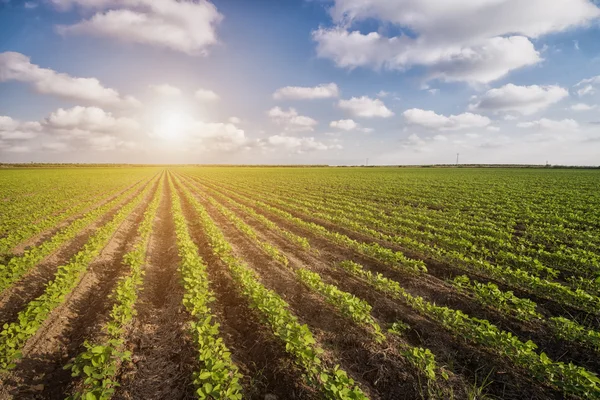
457 154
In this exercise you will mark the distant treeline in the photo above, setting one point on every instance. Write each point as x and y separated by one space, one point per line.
83 165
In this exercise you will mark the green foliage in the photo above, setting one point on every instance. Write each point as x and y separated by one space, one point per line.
14 335
569 378
19 265
490 295
334 383
572 331
99 363
218 377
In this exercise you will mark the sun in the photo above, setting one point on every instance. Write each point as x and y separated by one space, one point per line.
172 125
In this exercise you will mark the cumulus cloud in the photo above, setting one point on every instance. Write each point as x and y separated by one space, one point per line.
348 125
525 100
430 120
344 124
323 91
582 107
14 130
479 51
291 120
206 95
365 107
299 144
86 121
550 124
185 26
17 67
165 90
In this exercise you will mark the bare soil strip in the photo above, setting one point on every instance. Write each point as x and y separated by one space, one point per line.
40 374
261 357
380 370
465 359
163 351
33 283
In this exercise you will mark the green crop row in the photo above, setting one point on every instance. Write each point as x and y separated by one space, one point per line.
18 266
349 305
334 383
571 379
98 364
14 335
218 377
389 257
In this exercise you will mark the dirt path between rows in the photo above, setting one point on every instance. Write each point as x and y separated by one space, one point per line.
40 374
269 372
381 372
162 347
33 283
467 359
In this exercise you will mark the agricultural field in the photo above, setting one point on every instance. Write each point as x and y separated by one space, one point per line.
299 283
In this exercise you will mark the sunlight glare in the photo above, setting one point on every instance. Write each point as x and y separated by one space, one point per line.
172 125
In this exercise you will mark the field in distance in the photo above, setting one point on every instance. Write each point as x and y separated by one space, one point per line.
299 283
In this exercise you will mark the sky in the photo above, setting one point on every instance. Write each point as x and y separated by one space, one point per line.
300 81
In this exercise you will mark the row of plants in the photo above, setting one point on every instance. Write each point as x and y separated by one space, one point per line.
350 306
567 377
99 363
332 382
395 259
14 335
218 377
513 277
20 265
46 219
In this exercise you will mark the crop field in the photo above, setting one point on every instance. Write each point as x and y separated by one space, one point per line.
299 283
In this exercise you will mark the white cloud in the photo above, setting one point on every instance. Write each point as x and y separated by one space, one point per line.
479 51
430 120
291 120
185 26
30 5
206 95
587 89
525 100
16 66
582 107
344 124
235 120
549 124
165 90
323 91
383 93
365 107
14 130
299 144
87 121
586 86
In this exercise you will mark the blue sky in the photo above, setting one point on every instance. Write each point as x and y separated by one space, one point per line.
498 81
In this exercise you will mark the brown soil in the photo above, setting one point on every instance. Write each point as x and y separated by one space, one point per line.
465 359
33 283
261 357
45 235
433 288
162 347
40 374
380 371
